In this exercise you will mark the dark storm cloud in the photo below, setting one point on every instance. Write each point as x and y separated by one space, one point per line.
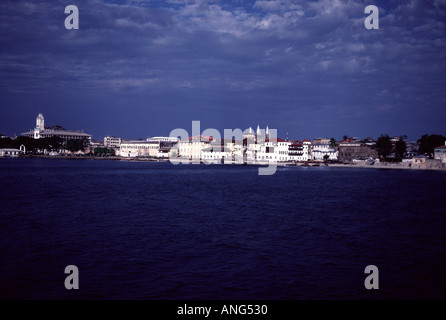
310 67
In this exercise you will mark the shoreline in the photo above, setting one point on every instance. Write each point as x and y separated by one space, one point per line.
385 166
382 165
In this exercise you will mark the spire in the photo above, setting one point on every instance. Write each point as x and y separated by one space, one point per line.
258 129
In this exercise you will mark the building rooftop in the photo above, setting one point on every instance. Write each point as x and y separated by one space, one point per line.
137 142
275 140
9 149
58 132
198 139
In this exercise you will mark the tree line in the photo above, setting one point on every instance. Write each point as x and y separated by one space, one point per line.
426 145
50 144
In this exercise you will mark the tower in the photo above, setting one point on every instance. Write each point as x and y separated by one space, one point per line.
40 126
40 122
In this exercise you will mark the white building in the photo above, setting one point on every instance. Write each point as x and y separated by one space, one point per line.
112 142
160 146
40 131
274 150
321 148
10 152
134 148
300 150
156 147
216 154
191 148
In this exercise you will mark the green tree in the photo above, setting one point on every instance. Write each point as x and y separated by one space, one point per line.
427 143
5 142
326 157
75 145
104 152
400 148
344 137
333 143
29 143
54 143
384 146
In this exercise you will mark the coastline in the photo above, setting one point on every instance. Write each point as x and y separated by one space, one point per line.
382 165
386 166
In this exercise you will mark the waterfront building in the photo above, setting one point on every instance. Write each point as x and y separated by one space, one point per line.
274 150
10 152
216 154
112 142
350 150
321 148
440 153
134 148
192 147
299 150
159 147
252 149
156 147
40 131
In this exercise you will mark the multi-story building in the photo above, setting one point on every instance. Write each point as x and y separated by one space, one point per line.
216 154
351 150
191 148
156 147
273 150
159 147
299 150
440 153
40 131
321 149
10 152
134 148
112 142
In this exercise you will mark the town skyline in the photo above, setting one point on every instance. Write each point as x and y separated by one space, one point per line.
283 135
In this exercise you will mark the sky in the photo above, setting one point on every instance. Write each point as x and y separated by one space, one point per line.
136 69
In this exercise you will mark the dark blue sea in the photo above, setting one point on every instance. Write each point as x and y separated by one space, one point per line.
146 230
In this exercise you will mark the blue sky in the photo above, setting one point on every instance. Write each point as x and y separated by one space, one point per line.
143 68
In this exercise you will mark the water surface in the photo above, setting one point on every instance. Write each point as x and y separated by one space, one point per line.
144 230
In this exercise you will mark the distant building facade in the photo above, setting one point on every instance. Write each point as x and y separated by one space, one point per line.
159 147
274 150
321 148
191 148
112 142
134 148
10 152
156 147
351 150
440 153
299 150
